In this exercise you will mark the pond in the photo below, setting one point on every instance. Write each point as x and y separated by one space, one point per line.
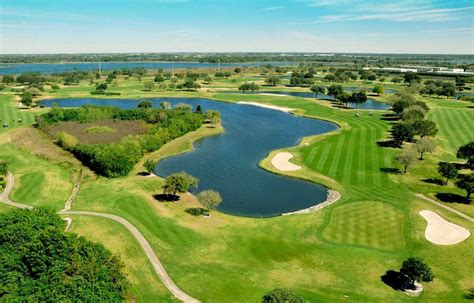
369 104
228 162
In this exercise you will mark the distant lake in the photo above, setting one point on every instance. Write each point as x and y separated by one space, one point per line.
228 162
49 68
369 104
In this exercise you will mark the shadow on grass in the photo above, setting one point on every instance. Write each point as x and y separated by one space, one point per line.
434 181
143 174
166 197
452 198
396 280
469 295
390 117
388 143
390 170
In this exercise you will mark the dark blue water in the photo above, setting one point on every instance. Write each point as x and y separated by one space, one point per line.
49 68
228 162
369 104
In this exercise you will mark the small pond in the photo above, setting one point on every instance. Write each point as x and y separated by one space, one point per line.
228 162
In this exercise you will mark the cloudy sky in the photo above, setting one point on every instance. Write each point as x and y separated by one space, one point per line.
75 26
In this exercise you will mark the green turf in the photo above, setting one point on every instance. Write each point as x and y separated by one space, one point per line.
334 255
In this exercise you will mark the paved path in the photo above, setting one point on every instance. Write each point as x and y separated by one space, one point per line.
159 269
4 197
457 212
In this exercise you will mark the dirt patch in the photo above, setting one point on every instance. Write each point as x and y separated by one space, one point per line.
117 130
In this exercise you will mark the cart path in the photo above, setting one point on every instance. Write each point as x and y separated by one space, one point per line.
157 265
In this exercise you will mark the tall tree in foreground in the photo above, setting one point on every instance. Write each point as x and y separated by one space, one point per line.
447 170
40 262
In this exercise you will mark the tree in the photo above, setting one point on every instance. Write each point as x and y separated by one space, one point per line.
149 165
448 89
213 116
416 270
159 78
411 78
210 199
358 97
145 104
179 183
466 151
27 99
425 128
406 159
101 86
378 89
317 89
402 132
208 80
149 85
3 167
272 80
42 263
249 87
466 182
335 90
447 170
425 145
282 295
7 79
189 84
165 105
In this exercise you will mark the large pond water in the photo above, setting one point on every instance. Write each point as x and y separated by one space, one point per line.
369 104
49 68
228 162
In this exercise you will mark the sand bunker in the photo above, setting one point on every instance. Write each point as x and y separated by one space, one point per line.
442 232
281 162
283 109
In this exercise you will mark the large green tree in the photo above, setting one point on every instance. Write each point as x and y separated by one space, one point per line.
179 183
447 170
210 199
466 151
282 295
416 270
40 262
466 182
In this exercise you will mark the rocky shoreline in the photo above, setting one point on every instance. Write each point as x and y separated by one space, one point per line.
333 196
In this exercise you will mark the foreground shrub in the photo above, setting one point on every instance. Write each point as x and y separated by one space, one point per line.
282 295
197 211
40 262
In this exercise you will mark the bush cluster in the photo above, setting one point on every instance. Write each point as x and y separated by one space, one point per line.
118 159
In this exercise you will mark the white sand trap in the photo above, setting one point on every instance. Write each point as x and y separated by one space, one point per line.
281 162
442 232
283 109
270 94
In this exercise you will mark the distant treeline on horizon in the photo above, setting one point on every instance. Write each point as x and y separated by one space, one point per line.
380 59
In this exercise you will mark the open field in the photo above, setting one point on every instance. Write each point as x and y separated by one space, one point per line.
106 131
337 254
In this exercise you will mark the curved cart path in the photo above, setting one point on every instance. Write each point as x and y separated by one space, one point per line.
159 269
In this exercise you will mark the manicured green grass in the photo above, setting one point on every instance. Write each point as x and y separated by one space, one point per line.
372 224
37 181
337 254
9 113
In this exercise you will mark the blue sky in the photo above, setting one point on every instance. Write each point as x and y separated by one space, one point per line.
73 26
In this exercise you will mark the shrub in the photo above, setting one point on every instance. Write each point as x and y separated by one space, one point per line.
66 141
282 295
197 211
